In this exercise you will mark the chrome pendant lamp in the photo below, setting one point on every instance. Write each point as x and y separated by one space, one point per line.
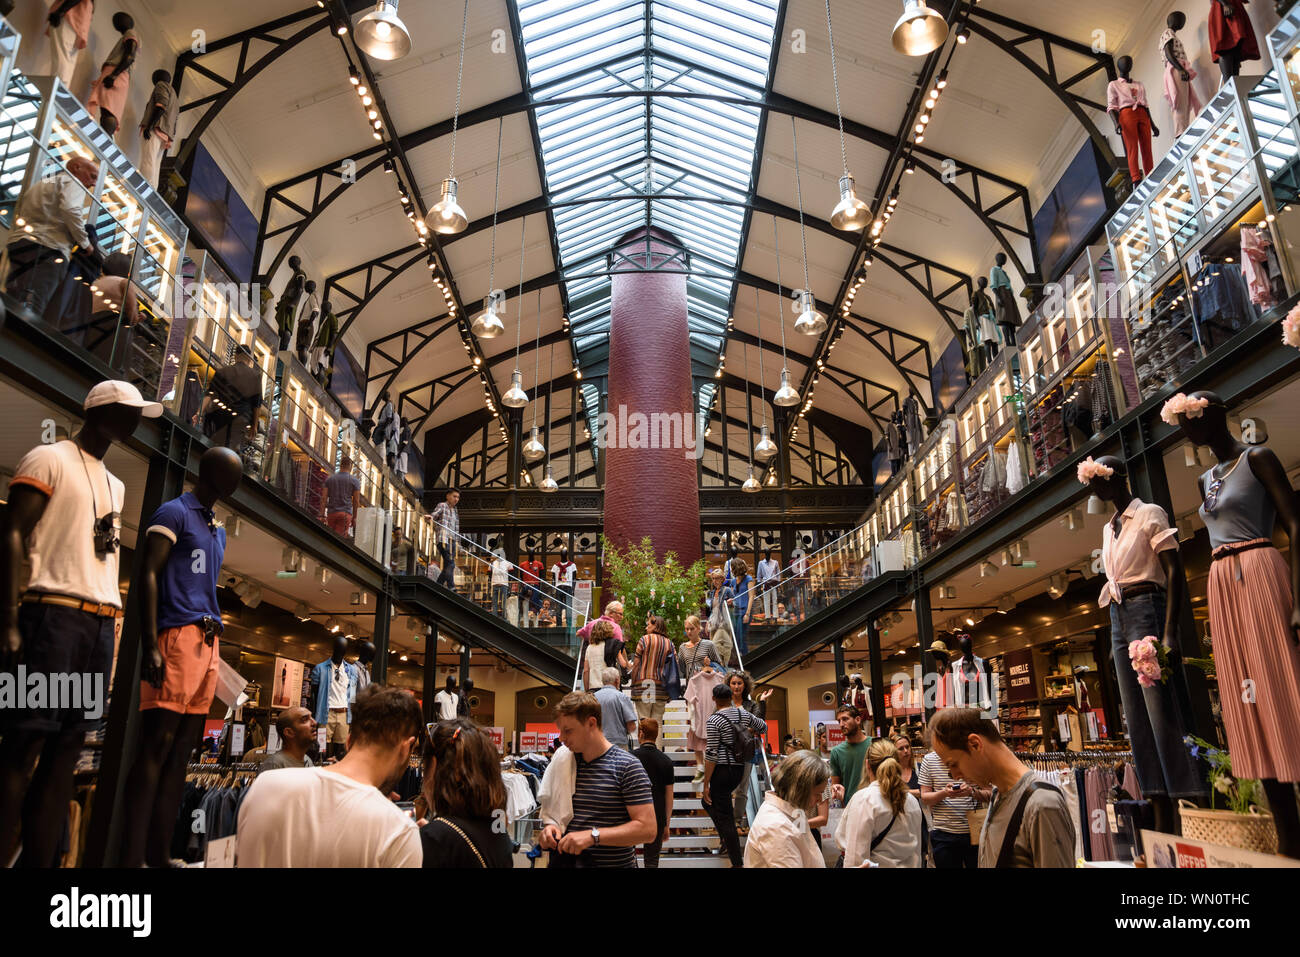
919 30
534 450
850 213
548 484
785 394
447 217
516 397
765 448
488 324
382 34
810 321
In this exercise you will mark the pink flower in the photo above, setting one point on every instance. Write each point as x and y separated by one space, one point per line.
1145 656
1181 404
1291 328
1089 470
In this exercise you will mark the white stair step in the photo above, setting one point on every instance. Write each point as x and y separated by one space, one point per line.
691 841
684 769
683 756
693 860
685 822
687 804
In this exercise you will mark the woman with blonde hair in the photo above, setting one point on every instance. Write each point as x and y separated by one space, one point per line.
881 826
594 665
779 835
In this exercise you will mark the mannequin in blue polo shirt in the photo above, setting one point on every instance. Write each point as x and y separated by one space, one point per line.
179 651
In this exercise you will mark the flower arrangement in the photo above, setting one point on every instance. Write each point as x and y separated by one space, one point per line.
1149 660
647 586
1240 794
1089 470
1182 404
1291 328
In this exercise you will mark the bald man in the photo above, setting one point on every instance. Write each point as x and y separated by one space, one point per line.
297 730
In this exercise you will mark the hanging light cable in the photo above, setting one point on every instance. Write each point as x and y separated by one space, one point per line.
533 449
751 484
446 216
765 448
850 213
785 395
548 483
810 321
516 397
488 324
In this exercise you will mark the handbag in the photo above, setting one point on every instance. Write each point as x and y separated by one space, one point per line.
670 676
464 837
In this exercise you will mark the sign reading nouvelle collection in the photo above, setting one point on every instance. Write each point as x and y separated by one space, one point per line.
1019 666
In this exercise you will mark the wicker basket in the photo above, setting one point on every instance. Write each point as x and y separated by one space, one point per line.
1250 832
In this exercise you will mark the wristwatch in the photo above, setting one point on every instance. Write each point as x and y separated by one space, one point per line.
595 837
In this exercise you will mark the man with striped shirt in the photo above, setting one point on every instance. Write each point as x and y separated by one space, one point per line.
948 801
446 530
724 766
613 809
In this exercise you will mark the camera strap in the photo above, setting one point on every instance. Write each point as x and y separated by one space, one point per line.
94 503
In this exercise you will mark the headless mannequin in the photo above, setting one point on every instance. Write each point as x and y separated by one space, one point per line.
286 308
305 325
323 343
365 656
732 552
462 704
1232 37
942 669
167 738
1004 301
1182 98
1115 491
1133 121
109 92
158 126
36 767
69 27
1211 429
969 664
984 312
449 688
336 749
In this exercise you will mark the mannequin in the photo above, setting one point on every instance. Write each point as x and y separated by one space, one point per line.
1126 102
972 680
305 324
333 689
403 447
69 31
462 706
973 341
854 693
768 571
732 552
446 702
365 655
1254 621
1005 307
1144 590
64 517
985 312
108 94
287 305
158 128
532 571
942 670
894 442
322 349
179 651
1232 37
385 422
563 574
1179 92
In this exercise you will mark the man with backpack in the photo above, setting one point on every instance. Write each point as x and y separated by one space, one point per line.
733 740
1028 823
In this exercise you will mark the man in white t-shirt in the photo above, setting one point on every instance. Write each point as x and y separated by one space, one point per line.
340 816
500 584
446 701
564 575
769 569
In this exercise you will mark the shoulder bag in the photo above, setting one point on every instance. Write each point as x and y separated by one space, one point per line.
464 837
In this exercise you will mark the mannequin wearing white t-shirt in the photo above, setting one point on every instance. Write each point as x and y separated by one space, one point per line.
769 569
564 575
64 515
446 701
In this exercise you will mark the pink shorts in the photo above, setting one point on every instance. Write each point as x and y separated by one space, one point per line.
189 672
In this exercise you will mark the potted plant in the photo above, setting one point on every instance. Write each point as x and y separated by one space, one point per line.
1245 823
647 586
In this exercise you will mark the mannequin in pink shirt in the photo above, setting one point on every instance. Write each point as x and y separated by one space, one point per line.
1126 102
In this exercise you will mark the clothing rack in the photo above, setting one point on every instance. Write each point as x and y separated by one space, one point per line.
1052 760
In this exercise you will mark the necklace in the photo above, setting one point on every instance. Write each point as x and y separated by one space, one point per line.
1216 483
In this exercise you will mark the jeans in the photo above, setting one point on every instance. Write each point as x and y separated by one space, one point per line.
448 575
1158 717
741 627
499 593
740 798
954 850
769 599
721 785
34 276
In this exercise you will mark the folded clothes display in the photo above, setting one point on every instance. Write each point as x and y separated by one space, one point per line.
1164 343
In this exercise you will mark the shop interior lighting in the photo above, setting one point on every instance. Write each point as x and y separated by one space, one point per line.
988 569
1006 604
382 34
302 612
548 483
810 321
919 30
447 217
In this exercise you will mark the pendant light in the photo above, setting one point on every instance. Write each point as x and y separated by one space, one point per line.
516 397
534 450
382 34
919 30
751 484
488 324
785 395
850 213
810 321
548 484
446 216
765 448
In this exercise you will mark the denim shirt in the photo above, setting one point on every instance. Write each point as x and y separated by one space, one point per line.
320 679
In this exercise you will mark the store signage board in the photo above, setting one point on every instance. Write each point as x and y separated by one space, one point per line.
498 738
1170 851
527 741
220 852
272 740
288 678
236 740
1019 666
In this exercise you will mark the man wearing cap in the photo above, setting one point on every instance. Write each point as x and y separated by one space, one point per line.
64 519
49 221
234 396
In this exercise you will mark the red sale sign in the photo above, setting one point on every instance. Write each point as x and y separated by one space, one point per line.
527 741
498 738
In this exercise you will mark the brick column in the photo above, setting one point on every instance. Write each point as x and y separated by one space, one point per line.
650 491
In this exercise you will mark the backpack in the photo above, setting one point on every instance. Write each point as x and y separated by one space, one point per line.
746 744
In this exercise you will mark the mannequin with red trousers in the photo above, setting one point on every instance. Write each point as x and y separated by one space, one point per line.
1126 102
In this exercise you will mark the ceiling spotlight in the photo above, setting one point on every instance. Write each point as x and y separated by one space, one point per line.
785 395
851 213
810 321
919 30
515 397
353 76
446 216
963 34
942 81
382 34
302 612
988 569
1006 604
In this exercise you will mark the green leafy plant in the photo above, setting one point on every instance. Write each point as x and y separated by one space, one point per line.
1239 793
648 586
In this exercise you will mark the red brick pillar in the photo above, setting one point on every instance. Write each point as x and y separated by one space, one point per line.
651 491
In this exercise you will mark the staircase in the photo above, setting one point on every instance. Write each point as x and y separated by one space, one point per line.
691 839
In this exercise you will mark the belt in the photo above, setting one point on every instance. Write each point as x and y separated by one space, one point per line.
338 709
67 601
1233 549
1141 588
